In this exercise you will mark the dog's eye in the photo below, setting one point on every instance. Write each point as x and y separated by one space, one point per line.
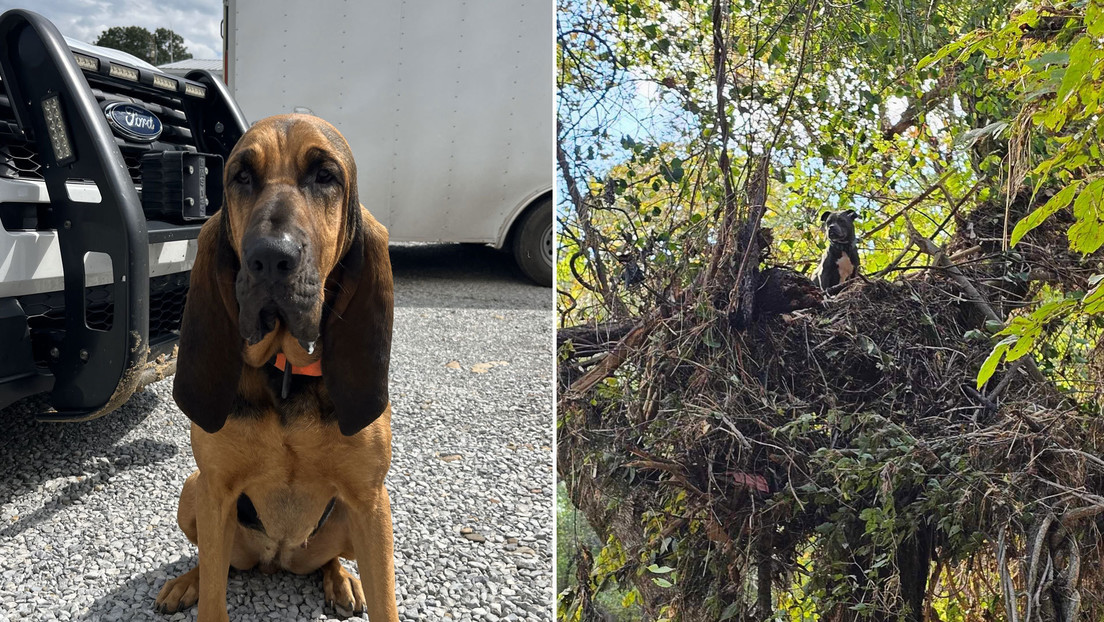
243 177
324 176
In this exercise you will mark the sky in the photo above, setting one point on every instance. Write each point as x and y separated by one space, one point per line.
198 21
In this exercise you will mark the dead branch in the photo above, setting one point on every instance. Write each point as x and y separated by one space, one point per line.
610 363
972 293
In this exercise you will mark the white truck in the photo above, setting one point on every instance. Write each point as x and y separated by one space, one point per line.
108 168
447 107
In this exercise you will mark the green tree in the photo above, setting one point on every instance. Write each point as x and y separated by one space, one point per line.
158 47
1051 61
968 136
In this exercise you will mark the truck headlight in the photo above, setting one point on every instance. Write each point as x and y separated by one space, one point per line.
55 127
126 73
165 83
86 62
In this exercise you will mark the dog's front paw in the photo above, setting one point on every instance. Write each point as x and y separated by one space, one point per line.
343 591
179 593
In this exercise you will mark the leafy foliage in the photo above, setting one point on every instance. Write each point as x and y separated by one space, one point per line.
158 47
1051 58
970 127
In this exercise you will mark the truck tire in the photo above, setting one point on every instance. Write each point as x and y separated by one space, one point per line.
532 244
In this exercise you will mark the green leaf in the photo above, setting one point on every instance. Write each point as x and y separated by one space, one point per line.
1036 218
943 52
1094 300
629 599
660 569
1023 345
1080 61
1087 234
827 151
662 582
1048 311
975 335
777 53
991 362
672 171
1050 58
1094 19
970 137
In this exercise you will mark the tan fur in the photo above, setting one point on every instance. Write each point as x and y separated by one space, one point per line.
290 468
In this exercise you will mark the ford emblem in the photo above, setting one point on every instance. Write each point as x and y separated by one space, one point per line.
133 122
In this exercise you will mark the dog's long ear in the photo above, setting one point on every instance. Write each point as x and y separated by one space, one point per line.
209 360
356 340
824 216
852 214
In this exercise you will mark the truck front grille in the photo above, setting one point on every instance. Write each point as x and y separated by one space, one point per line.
19 158
46 313
18 161
167 297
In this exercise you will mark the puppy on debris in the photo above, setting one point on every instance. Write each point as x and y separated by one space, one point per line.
841 259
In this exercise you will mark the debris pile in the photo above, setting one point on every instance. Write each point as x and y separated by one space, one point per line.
835 456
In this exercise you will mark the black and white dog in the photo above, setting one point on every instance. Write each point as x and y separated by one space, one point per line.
841 259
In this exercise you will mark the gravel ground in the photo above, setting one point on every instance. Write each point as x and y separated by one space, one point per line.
88 511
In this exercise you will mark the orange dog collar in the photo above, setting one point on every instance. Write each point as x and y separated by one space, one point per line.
314 369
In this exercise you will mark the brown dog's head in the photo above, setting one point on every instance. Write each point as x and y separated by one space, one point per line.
291 264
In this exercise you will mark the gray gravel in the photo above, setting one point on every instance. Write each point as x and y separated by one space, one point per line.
88 511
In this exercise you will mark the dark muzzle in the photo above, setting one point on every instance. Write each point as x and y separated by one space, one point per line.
272 260
278 281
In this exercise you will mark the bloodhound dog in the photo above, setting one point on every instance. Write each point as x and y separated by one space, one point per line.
282 369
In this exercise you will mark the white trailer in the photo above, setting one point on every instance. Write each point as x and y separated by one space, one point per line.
447 106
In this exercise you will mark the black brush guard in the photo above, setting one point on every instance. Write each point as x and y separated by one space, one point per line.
94 371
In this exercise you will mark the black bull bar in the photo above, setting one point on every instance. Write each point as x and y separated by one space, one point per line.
95 370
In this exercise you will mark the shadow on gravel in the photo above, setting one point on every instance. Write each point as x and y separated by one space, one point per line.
462 276
77 455
134 599
138 453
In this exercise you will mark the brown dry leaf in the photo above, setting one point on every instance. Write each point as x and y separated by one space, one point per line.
450 457
453 364
482 368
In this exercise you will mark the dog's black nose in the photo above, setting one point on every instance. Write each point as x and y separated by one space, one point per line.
272 259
